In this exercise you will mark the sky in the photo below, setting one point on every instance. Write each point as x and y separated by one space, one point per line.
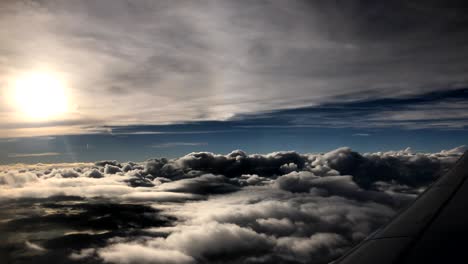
141 79
217 131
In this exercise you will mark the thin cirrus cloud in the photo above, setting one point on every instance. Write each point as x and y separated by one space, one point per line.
207 208
29 155
362 135
179 144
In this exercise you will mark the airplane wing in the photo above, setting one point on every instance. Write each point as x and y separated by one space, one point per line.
432 229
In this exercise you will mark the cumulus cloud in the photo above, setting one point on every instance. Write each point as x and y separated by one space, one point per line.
320 246
401 166
17 179
282 207
204 184
296 181
213 240
111 169
455 151
94 174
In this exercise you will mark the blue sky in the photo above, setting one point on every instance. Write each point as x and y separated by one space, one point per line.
223 140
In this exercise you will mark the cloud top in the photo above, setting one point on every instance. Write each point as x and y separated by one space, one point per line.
210 208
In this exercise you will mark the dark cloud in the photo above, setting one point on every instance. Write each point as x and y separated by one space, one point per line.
95 174
69 173
204 184
89 216
111 169
67 225
103 163
135 253
405 168
233 164
411 170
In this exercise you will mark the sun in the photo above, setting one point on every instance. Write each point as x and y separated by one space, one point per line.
39 96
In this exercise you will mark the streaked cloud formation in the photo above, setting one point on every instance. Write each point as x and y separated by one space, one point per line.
158 62
208 208
178 144
26 155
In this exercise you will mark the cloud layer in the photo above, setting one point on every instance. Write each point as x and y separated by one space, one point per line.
282 207
214 60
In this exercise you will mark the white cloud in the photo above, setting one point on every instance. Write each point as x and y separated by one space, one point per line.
34 246
457 150
135 254
82 254
316 246
215 239
30 155
179 144
278 207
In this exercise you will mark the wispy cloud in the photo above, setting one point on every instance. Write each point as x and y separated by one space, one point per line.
361 135
179 144
8 140
434 110
34 246
29 155
169 132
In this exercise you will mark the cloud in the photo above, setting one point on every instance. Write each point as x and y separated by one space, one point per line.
17 179
320 246
34 247
161 196
204 184
29 155
179 144
8 140
238 162
103 163
134 253
281 207
110 169
361 135
212 44
214 240
296 181
85 253
456 151
403 167
94 174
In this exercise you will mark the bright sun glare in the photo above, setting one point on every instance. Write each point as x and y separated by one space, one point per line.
40 95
